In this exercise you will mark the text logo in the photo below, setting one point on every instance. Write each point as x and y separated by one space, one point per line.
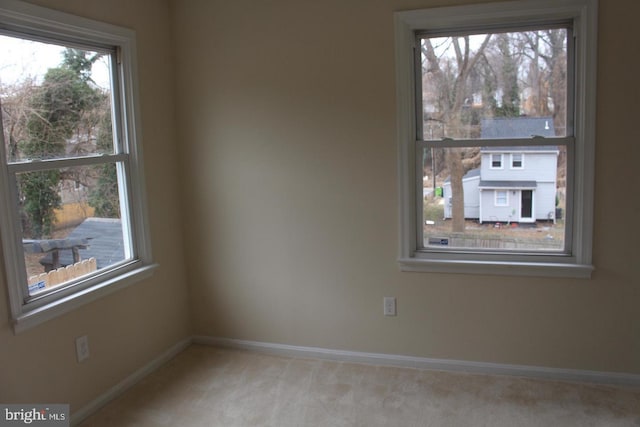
40 415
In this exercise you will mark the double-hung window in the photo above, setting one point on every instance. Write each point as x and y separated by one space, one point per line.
517 160
73 201
496 161
478 88
502 198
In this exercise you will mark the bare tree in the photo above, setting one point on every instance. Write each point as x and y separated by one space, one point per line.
450 84
546 51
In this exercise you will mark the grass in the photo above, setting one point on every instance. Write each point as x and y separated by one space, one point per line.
433 212
542 235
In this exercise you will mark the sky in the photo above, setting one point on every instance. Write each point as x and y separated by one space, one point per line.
444 47
21 59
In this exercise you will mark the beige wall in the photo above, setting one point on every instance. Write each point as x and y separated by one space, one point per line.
286 111
130 327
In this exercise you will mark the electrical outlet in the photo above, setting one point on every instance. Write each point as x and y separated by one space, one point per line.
389 306
82 348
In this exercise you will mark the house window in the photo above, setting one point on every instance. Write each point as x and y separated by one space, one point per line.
496 161
497 78
502 198
73 213
517 160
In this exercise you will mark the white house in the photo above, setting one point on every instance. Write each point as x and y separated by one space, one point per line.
513 184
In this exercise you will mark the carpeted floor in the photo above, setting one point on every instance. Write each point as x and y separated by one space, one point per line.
208 386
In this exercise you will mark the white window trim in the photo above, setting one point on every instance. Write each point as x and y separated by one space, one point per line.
47 23
506 198
579 262
521 161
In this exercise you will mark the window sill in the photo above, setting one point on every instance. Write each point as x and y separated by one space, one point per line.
530 269
39 315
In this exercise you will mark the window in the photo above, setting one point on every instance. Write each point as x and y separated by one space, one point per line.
517 161
502 198
475 82
73 214
496 161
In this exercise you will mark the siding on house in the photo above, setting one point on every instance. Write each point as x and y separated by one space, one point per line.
493 213
538 165
543 204
536 172
470 184
545 201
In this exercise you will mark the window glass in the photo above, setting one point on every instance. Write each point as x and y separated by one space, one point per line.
496 161
57 106
510 212
494 86
472 85
56 100
83 231
501 198
516 160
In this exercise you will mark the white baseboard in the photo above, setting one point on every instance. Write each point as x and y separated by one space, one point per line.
557 374
78 416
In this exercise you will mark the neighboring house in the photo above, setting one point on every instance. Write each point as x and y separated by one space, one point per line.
470 183
105 243
513 184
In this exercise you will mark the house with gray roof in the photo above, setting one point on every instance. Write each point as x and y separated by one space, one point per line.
512 184
102 239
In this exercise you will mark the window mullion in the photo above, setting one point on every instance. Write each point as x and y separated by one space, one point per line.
505 142
40 165
117 113
417 83
19 273
128 226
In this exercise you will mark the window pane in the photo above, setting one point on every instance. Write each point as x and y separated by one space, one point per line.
467 204
69 216
56 100
473 85
502 198
516 160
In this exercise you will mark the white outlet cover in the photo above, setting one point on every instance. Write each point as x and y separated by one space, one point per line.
389 306
82 348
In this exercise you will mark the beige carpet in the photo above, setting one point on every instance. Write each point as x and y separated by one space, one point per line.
207 386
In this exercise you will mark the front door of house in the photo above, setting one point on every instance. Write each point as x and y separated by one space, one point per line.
526 206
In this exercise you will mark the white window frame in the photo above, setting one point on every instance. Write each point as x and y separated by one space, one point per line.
577 260
22 18
521 161
496 200
491 160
